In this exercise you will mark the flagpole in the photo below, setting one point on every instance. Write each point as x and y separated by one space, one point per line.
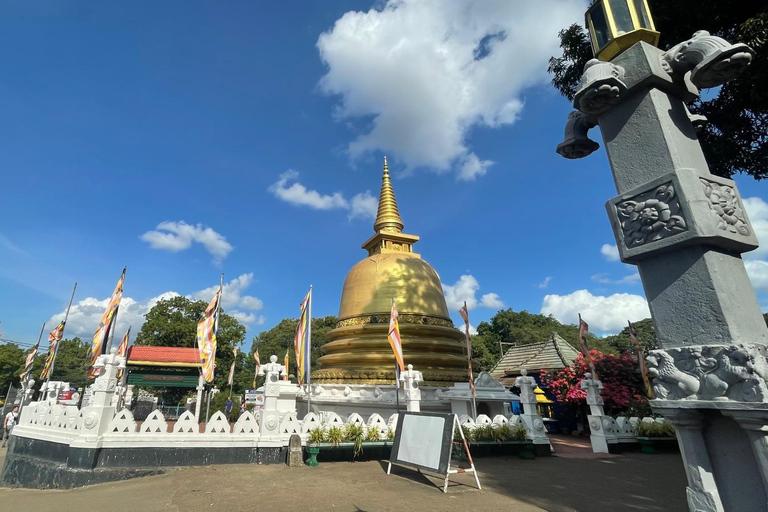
469 362
308 352
56 351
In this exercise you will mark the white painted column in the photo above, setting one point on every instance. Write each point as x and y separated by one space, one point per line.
602 431
531 417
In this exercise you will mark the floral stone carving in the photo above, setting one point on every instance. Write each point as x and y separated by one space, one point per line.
651 216
724 200
712 372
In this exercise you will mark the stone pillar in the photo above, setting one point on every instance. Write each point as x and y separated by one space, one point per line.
602 433
685 229
29 390
531 416
98 415
411 379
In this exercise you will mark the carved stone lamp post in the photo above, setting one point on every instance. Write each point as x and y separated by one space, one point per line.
685 229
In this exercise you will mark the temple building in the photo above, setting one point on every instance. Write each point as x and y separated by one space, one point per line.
357 351
357 370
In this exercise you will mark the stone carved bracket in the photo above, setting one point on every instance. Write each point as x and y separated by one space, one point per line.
683 208
724 201
710 372
576 143
711 60
651 216
601 87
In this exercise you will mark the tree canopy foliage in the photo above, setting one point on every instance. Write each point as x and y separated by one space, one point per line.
11 365
278 339
646 335
735 140
173 323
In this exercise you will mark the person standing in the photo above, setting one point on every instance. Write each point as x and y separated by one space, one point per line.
8 423
228 407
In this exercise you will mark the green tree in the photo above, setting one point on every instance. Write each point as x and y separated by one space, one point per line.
523 328
735 140
11 365
173 323
72 361
279 338
646 335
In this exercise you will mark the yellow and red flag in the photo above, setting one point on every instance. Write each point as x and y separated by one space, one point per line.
640 360
53 344
28 362
231 379
301 345
206 336
258 364
106 324
123 349
286 362
394 337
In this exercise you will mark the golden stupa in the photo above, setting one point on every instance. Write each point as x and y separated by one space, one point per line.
357 351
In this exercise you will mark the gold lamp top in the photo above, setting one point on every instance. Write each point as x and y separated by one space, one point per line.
615 25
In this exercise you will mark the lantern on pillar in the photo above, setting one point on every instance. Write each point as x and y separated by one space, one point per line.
615 25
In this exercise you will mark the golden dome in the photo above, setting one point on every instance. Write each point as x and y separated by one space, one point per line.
357 350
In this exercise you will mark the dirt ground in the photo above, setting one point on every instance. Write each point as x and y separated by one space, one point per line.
575 479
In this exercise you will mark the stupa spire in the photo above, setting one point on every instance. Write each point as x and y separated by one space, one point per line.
388 217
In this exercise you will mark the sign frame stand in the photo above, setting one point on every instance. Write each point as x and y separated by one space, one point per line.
455 470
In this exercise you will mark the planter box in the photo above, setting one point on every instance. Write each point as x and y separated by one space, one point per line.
523 449
372 450
653 445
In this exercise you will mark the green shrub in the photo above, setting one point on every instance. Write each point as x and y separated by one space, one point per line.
372 435
390 434
316 436
518 432
334 435
355 434
655 429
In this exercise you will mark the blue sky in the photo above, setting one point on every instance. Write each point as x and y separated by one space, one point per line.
185 139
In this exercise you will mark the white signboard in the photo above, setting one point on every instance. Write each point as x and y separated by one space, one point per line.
254 397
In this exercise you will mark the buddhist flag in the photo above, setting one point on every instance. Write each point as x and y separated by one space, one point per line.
206 336
301 345
583 331
640 360
258 364
101 335
464 312
394 337
124 343
286 362
28 362
53 344
231 379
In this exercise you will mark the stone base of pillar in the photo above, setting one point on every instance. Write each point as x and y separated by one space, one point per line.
724 445
602 433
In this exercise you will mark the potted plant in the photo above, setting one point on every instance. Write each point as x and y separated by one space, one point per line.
315 437
652 435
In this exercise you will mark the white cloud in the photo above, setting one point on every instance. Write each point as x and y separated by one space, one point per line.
545 282
6 243
603 314
299 195
232 296
361 205
426 73
757 211
633 278
757 271
178 236
610 252
85 314
465 290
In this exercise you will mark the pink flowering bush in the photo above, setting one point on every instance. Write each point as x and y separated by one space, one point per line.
618 374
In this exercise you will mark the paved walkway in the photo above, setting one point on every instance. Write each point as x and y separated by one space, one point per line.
575 479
